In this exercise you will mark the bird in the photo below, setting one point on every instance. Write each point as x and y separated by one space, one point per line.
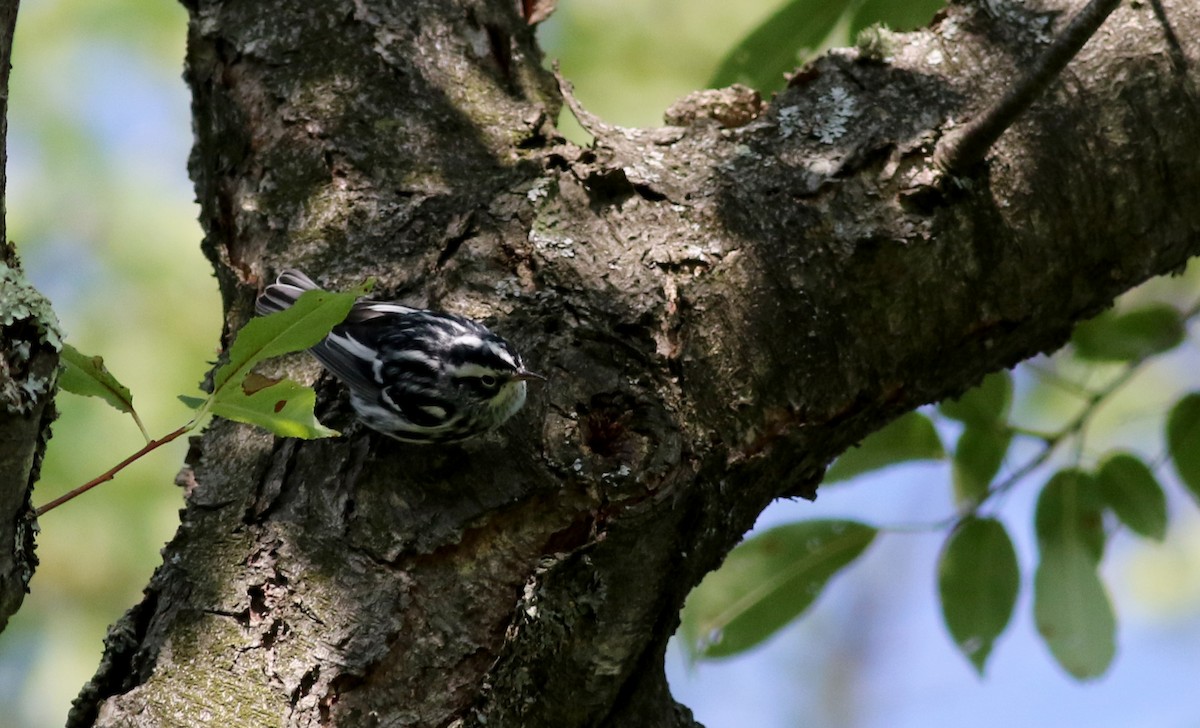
416 375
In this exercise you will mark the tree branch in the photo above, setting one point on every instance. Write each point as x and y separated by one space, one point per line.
963 148
722 310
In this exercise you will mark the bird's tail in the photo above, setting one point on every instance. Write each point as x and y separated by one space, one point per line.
283 292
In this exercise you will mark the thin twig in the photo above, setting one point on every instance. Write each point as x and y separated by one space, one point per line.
962 149
111 472
1054 379
1075 426
1178 57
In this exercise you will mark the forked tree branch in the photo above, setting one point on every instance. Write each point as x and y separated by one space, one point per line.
721 309
963 148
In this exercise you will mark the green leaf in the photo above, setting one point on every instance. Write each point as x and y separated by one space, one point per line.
766 582
1127 336
1070 511
1071 607
978 578
983 405
192 402
87 376
1072 610
910 437
283 407
774 47
1183 440
294 329
901 16
977 458
1131 491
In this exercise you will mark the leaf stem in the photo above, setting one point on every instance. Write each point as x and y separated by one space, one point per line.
111 472
138 420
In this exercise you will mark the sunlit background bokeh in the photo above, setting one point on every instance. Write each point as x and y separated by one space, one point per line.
100 208
102 212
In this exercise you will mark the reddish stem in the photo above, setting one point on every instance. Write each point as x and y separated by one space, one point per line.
111 472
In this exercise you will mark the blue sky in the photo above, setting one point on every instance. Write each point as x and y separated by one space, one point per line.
872 652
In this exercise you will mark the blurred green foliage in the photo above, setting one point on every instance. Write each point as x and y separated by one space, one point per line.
799 30
1095 485
767 582
910 437
101 211
630 60
978 580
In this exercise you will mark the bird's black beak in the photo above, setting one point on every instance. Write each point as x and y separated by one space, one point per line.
525 375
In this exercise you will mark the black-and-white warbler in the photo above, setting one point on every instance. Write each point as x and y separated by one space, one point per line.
417 375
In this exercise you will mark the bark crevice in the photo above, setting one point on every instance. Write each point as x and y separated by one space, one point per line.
721 309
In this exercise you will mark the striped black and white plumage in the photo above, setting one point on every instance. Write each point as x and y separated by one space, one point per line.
417 375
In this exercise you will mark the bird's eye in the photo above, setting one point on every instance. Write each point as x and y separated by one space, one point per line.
488 380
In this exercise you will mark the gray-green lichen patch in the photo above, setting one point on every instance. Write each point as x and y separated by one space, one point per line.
27 325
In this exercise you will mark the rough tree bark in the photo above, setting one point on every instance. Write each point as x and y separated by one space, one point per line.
29 346
722 308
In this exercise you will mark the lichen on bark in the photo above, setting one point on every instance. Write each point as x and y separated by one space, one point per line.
722 309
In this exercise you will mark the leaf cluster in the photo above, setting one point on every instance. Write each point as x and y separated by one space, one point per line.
282 406
774 577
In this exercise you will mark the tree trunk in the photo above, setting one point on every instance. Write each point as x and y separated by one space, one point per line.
721 307
29 346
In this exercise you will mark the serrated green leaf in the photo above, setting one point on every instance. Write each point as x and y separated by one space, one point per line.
899 16
284 407
1072 610
1070 510
983 405
294 329
766 582
1112 336
977 458
87 376
1183 440
1131 491
978 577
910 437
774 48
